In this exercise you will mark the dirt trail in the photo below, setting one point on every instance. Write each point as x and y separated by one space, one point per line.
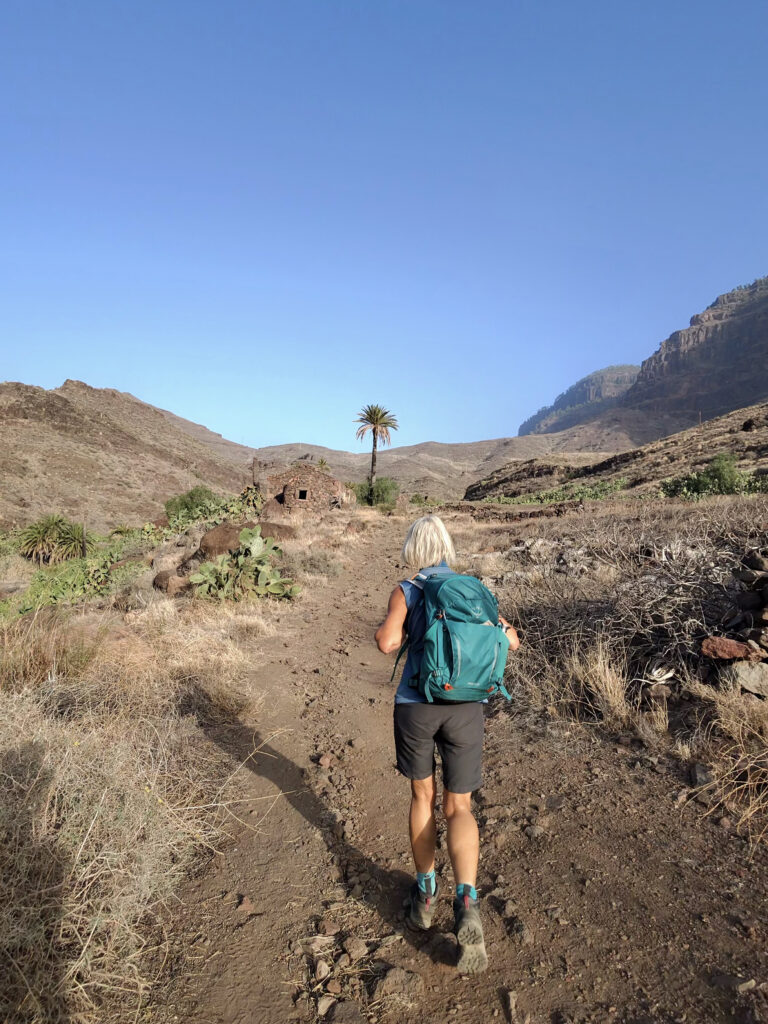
605 899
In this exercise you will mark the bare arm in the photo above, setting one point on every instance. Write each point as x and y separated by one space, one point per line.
389 635
514 639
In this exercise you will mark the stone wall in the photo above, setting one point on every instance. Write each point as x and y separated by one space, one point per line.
300 488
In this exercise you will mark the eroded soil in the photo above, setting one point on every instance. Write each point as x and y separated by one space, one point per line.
606 897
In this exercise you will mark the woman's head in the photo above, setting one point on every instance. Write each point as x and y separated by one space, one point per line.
428 543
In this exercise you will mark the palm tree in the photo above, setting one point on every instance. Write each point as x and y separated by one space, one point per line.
379 421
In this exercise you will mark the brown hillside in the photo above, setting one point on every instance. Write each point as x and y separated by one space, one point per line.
100 454
105 455
743 434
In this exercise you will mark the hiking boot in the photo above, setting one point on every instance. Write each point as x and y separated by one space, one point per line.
422 907
468 928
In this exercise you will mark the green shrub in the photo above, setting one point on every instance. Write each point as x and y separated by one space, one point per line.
247 572
54 539
567 492
721 476
191 505
202 505
75 580
385 491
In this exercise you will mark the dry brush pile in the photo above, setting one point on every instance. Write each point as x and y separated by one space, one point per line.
616 607
108 789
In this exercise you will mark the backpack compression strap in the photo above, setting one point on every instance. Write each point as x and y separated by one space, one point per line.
418 581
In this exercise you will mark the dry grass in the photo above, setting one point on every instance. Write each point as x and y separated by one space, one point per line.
612 606
106 779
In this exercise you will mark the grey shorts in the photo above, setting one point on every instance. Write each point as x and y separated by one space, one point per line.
456 729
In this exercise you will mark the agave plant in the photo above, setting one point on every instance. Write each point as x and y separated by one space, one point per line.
38 541
72 542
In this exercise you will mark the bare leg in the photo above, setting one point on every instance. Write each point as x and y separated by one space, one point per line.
422 825
464 851
463 837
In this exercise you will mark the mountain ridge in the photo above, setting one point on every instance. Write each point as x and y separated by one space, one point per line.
107 456
717 364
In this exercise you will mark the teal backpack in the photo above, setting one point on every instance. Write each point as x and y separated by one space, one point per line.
465 647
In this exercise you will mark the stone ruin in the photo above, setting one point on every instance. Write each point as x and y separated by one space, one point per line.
299 488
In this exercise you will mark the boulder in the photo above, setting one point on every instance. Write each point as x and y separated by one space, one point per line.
9 587
178 585
222 539
724 649
277 531
750 676
160 582
171 583
171 553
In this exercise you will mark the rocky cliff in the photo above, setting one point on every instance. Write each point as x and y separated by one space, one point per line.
589 396
718 363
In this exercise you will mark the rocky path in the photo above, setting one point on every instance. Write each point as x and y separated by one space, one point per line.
608 895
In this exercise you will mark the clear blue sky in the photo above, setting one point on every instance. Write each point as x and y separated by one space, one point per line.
263 214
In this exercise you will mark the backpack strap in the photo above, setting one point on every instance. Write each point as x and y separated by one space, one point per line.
418 581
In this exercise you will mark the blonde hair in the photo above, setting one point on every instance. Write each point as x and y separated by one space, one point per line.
428 543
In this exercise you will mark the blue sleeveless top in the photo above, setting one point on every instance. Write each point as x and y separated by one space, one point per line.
415 627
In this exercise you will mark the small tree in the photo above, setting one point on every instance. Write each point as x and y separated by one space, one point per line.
379 421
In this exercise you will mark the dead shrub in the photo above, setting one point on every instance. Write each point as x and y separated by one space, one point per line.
106 783
612 609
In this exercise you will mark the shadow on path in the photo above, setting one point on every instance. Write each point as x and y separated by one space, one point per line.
385 889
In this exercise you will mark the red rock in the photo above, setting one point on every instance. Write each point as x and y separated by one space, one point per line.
725 649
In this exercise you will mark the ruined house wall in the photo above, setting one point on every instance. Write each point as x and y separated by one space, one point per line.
301 489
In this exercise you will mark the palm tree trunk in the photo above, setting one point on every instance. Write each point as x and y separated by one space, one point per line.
373 467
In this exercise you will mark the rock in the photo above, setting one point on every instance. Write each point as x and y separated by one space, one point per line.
177 585
519 931
724 649
322 970
160 582
749 601
169 556
246 905
750 676
222 539
754 560
401 984
534 832
348 1013
356 948
326 760
277 531
555 803
334 987
327 927
701 775
317 944
324 1003
733 983
9 587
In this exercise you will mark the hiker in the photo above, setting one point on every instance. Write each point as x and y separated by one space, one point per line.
428 713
